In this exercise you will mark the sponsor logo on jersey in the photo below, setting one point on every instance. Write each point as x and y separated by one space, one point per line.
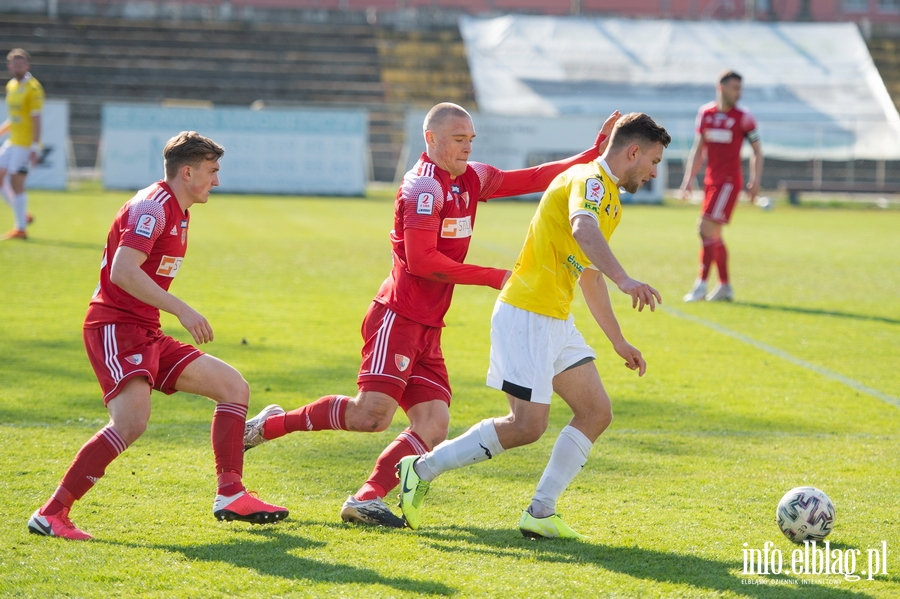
401 361
595 208
168 266
574 263
457 228
145 226
594 190
174 230
136 359
719 136
425 203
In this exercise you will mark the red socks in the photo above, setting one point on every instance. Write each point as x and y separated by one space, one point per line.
87 468
713 250
722 262
227 436
707 255
384 477
326 413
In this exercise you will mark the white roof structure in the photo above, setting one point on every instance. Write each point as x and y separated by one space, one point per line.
812 87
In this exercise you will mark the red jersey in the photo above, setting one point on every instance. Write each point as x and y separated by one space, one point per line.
151 222
724 134
430 205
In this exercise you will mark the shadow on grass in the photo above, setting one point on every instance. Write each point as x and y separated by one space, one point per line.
659 566
272 557
815 312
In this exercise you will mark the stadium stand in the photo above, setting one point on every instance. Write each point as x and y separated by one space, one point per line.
92 60
322 52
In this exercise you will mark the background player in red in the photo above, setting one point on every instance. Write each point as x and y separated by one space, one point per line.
402 363
130 354
722 127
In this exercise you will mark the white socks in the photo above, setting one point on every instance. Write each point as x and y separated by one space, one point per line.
477 444
20 207
569 456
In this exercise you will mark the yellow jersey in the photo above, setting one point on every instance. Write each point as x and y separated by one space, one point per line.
543 280
24 99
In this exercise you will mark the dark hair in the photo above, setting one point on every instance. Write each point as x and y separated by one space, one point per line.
726 76
189 148
639 128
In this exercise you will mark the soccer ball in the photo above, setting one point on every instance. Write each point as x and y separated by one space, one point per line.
805 514
764 203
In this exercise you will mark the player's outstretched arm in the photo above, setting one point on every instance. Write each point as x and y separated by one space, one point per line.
126 273
592 243
596 296
536 179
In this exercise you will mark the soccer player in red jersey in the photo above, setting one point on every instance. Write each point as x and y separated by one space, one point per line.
402 363
130 354
722 127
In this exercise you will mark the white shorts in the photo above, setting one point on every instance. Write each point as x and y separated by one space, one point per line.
14 159
529 349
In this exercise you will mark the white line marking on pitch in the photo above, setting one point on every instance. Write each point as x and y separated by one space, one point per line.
785 356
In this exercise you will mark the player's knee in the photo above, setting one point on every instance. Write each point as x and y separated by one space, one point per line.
369 419
242 391
130 429
530 431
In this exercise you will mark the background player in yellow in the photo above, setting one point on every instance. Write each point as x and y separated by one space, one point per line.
24 102
535 347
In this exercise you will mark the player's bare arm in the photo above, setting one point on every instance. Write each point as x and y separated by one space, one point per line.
694 162
756 167
126 273
596 296
595 247
36 136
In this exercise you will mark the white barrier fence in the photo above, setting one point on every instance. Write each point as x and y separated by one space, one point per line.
277 151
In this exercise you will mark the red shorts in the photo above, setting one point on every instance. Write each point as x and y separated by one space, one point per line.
720 201
402 358
119 352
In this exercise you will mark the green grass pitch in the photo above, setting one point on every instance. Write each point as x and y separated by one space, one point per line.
740 403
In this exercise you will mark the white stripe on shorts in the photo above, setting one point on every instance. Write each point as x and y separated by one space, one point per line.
110 349
722 201
381 342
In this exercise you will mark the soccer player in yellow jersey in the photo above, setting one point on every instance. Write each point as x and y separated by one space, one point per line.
535 347
24 102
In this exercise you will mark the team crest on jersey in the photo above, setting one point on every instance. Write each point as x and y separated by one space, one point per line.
454 188
425 203
456 228
168 266
594 190
136 359
401 361
145 225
